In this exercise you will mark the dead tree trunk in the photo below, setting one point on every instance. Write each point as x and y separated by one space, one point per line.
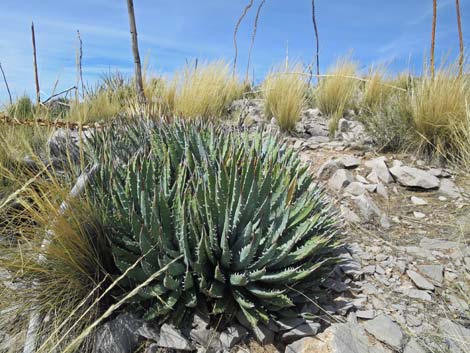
79 64
433 38
35 63
6 83
235 32
139 85
314 19
461 46
253 37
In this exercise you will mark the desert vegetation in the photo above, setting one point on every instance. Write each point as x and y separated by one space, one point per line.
188 198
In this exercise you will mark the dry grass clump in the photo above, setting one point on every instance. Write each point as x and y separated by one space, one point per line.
376 89
285 95
437 104
60 280
337 91
204 91
460 135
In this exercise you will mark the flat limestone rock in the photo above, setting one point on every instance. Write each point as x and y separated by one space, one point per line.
338 338
385 330
172 338
456 335
434 272
419 281
413 177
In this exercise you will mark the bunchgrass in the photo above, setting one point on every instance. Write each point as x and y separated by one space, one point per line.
376 89
285 94
337 91
204 91
437 103
57 278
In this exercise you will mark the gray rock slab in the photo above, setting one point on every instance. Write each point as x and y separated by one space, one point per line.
340 179
385 330
349 161
434 272
413 177
172 338
419 281
355 188
338 338
448 188
456 336
305 330
413 347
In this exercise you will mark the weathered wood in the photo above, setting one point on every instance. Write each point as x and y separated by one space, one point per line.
6 83
317 40
35 63
461 45
235 32
433 37
139 85
253 37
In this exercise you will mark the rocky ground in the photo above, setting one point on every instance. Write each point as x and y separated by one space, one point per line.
404 284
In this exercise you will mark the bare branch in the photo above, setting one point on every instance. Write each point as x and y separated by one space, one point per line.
35 63
235 32
253 36
6 83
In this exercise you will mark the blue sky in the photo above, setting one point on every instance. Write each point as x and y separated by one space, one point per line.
395 32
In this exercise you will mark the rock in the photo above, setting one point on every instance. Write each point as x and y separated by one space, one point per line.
367 208
382 191
433 272
438 244
372 163
413 347
63 145
119 335
349 215
382 173
170 337
385 330
355 188
419 215
263 334
457 336
349 162
418 294
338 338
373 177
305 330
419 280
413 177
448 188
340 179
371 187
290 323
328 168
365 314
153 348
361 179
231 336
148 331
418 201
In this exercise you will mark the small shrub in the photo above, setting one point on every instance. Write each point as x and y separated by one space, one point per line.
460 137
285 95
337 91
241 219
22 109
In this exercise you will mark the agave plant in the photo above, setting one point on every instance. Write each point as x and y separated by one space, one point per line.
245 225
